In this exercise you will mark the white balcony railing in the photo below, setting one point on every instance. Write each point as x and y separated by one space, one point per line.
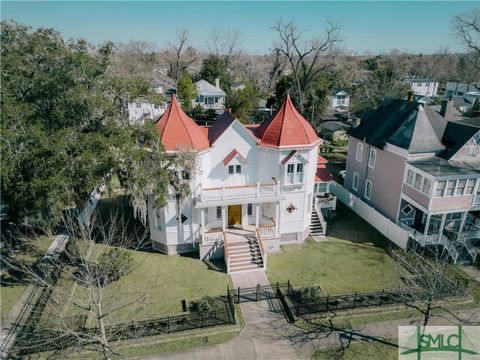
240 192
212 237
266 231
327 202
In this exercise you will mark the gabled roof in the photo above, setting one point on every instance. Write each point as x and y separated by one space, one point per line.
178 131
220 125
232 155
287 128
456 135
289 156
406 124
206 89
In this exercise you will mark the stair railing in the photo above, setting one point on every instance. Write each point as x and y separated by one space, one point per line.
263 252
320 217
226 256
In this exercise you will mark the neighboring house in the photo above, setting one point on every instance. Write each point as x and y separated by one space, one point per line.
424 100
421 171
142 110
463 104
163 87
333 130
210 96
339 100
460 89
263 181
237 86
424 87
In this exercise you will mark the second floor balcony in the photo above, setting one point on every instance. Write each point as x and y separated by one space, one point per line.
227 193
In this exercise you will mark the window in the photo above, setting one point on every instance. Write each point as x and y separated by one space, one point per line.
290 208
320 188
418 181
454 216
356 179
450 188
290 169
238 169
372 158
219 212
185 175
427 184
249 209
294 173
182 217
470 186
359 154
368 189
440 188
407 209
460 186
231 169
410 177
299 177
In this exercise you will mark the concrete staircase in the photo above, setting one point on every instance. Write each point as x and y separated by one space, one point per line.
244 256
316 228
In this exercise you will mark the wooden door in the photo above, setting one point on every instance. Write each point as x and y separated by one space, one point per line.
234 215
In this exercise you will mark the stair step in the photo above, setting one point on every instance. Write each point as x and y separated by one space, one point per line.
245 268
239 262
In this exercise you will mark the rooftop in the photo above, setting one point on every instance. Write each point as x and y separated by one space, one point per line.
438 167
206 89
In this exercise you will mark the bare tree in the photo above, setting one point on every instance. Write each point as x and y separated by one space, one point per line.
306 58
466 27
95 293
183 55
225 44
135 58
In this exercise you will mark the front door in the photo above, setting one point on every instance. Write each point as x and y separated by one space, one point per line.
234 215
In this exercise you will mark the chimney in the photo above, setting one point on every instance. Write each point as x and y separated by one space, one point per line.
447 109
217 83
410 96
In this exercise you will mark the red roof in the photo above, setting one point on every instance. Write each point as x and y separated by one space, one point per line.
178 131
321 160
231 155
287 128
289 156
322 174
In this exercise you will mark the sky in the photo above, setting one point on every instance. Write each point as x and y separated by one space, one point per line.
376 26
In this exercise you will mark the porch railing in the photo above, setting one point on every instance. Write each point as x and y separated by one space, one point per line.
263 251
212 237
464 239
267 231
316 208
326 202
240 192
447 244
226 256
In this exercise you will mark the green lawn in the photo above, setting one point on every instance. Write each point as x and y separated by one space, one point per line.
353 259
12 285
359 351
165 281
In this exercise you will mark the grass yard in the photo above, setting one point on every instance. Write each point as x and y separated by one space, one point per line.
359 351
353 259
12 284
165 280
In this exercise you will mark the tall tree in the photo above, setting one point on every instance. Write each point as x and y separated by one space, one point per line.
244 102
224 44
182 56
466 27
186 91
214 67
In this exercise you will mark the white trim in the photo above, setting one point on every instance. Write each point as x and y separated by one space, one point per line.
359 154
353 181
366 188
370 165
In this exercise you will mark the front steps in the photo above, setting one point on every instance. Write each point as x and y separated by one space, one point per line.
316 228
244 256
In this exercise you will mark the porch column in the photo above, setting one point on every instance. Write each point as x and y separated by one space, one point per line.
277 218
202 220
462 224
442 224
224 218
425 231
257 215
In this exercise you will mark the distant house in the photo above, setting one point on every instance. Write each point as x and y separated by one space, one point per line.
339 100
333 130
141 110
461 89
163 87
424 87
210 96
237 86
421 171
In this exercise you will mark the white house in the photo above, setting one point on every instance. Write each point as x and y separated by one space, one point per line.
210 96
141 110
339 100
424 87
255 187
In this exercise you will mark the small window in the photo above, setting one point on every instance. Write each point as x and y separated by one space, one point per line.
219 212
238 169
372 158
183 218
470 186
231 169
359 154
407 209
427 184
450 188
460 187
440 188
368 189
249 209
290 168
290 208
356 179
185 175
410 177
299 168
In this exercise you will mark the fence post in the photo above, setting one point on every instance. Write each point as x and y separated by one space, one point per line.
381 297
168 323
355 300
278 287
238 295
258 292
328 296
288 287
298 309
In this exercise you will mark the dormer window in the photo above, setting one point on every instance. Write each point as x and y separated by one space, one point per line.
294 173
234 169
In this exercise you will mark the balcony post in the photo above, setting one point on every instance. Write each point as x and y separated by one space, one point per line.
278 187
224 220
202 219
462 224
425 231
223 192
442 225
277 220
257 215
258 188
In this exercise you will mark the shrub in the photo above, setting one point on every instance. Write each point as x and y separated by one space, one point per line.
205 304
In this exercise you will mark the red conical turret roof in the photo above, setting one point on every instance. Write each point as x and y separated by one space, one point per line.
178 131
287 128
